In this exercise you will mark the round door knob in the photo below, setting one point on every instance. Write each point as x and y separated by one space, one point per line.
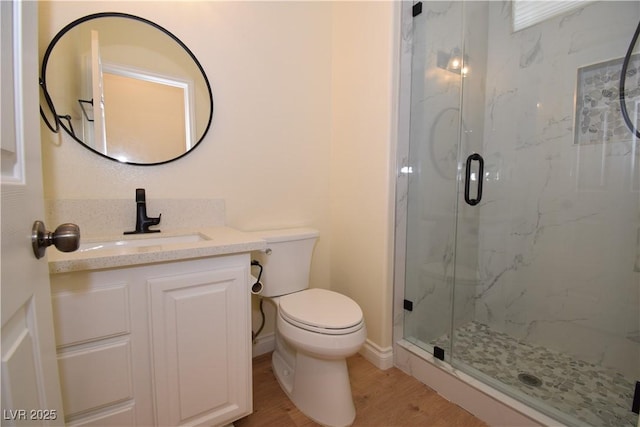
66 238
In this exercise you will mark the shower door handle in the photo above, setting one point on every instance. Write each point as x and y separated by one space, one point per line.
467 179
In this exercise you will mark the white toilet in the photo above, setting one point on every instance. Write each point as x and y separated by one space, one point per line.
316 329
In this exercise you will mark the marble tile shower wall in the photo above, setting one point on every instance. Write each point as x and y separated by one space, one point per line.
558 227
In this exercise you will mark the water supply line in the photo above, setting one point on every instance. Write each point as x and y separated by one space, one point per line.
623 77
256 288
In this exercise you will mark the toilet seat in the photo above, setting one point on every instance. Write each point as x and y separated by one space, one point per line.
321 311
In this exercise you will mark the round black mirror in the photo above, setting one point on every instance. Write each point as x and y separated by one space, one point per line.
125 88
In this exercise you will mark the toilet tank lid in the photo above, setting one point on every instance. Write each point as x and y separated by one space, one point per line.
286 234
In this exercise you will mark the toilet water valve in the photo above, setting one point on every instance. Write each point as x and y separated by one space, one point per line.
256 287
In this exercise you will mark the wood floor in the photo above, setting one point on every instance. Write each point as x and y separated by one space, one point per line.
382 398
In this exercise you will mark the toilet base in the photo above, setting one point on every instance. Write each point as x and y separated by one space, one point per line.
319 388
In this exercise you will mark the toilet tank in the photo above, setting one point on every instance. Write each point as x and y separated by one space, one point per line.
287 260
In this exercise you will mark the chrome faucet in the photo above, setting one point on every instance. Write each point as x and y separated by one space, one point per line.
143 222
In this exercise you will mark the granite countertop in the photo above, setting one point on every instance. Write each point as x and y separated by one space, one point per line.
214 241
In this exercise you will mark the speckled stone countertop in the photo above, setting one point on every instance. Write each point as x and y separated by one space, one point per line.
215 241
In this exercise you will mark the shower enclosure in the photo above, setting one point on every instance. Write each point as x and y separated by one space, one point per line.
522 254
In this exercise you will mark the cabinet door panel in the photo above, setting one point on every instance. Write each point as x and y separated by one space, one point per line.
109 368
199 322
124 417
84 315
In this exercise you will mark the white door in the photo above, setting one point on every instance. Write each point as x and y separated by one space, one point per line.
30 383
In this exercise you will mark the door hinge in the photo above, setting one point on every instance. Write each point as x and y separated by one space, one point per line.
438 352
417 9
635 406
408 305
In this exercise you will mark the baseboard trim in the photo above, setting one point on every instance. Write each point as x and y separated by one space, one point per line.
264 344
381 357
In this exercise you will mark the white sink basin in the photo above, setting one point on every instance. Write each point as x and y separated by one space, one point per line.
141 242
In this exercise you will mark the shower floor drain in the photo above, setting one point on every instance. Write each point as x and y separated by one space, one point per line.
529 379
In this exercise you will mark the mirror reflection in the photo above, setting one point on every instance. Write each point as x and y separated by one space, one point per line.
126 89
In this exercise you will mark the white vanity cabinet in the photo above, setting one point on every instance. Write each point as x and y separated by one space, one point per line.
157 344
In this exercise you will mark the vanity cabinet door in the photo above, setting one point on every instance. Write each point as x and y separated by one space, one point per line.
201 346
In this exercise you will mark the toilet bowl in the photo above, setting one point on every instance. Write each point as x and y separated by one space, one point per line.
310 358
316 330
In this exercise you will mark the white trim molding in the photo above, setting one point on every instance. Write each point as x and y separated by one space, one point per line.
264 344
381 357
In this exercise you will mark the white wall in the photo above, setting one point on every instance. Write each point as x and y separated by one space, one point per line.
303 93
365 73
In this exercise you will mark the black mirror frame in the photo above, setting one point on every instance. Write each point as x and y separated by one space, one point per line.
57 119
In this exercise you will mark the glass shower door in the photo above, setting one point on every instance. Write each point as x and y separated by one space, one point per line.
523 212
433 175
546 302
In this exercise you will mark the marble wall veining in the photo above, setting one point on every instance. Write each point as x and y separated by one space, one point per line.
550 255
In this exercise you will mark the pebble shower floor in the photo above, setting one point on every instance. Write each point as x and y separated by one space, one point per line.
585 391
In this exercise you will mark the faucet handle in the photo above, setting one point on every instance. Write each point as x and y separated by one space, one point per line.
140 195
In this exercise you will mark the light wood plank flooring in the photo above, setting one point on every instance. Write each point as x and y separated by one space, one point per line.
382 398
